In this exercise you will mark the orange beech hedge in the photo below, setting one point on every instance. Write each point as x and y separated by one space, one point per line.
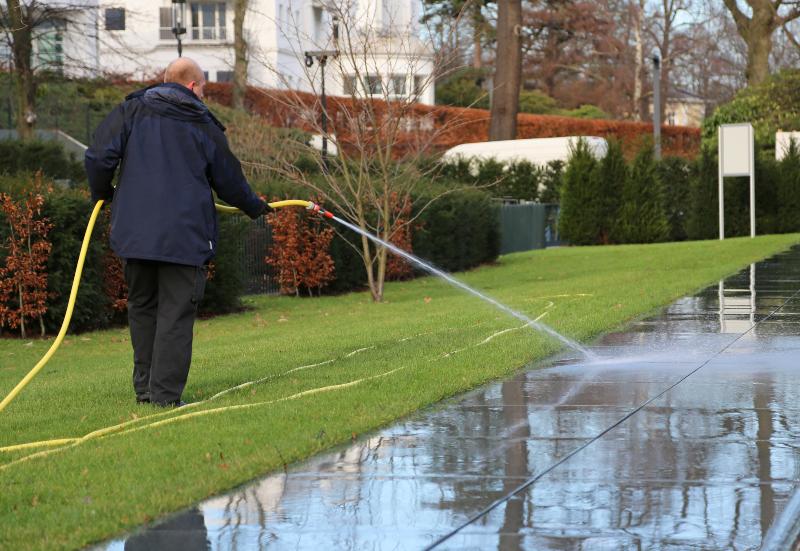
441 127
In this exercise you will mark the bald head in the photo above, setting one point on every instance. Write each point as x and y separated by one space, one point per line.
186 72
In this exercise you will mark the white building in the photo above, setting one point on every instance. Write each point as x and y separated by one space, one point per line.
379 40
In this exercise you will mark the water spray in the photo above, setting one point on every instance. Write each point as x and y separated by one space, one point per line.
312 208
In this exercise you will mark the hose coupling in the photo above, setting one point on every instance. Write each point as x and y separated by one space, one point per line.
316 209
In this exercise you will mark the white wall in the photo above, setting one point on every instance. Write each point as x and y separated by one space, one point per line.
278 33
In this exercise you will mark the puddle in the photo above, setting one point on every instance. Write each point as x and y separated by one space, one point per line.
709 463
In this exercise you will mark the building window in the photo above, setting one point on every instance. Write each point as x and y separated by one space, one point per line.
419 85
115 19
350 86
224 76
399 85
50 45
373 85
208 21
165 24
319 32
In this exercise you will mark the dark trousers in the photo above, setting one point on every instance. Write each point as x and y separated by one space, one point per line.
162 304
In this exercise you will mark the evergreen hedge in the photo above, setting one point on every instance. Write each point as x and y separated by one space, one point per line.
33 156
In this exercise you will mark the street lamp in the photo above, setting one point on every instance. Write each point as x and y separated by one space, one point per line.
657 107
178 26
322 58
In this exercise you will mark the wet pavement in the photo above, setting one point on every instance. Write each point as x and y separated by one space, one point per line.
704 401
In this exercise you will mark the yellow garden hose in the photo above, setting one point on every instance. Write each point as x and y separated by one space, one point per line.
77 279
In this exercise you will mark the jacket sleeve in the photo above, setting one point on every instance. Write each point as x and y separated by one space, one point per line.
228 180
104 155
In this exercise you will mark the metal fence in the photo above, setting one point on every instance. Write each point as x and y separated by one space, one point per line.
528 226
259 277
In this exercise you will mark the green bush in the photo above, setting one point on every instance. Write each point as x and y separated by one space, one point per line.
551 179
458 231
767 185
770 106
69 211
788 192
49 157
702 220
520 181
226 285
538 103
612 173
582 198
642 217
675 174
463 89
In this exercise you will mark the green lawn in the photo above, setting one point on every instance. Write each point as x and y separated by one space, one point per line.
375 363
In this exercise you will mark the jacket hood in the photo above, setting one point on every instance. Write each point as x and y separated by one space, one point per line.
176 102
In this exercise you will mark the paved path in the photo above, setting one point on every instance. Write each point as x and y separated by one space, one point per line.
707 459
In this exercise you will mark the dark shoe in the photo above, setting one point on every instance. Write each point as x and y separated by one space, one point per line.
142 398
173 404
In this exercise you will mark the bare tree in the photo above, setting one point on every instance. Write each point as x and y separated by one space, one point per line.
757 31
508 71
377 130
240 54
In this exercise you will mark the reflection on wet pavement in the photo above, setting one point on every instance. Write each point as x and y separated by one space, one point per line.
708 464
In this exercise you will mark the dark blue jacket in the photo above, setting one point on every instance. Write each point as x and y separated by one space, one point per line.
172 153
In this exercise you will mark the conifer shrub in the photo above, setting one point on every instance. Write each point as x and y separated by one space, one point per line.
642 217
702 220
612 173
675 174
582 198
788 190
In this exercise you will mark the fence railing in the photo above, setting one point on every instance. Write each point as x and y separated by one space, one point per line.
259 277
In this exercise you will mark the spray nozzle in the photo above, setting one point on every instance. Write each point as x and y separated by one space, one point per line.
316 209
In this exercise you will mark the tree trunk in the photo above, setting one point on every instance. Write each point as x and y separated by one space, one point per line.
22 47
759 46
240 54
508 71
756 31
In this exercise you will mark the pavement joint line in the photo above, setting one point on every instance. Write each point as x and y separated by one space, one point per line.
532 480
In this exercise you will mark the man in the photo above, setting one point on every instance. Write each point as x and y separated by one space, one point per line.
172 152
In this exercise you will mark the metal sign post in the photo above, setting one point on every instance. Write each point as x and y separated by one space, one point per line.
736 158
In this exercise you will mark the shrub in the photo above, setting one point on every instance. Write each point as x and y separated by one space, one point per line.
300 251
463 89
788 192
675 175
769 106
538 103
520 180
582 199
612 173
767 185
34 156
551 179
642 218
458 231
23 275
702 220
68 211
226 274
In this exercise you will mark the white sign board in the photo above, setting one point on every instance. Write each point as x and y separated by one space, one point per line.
782 140
736 158
735 146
